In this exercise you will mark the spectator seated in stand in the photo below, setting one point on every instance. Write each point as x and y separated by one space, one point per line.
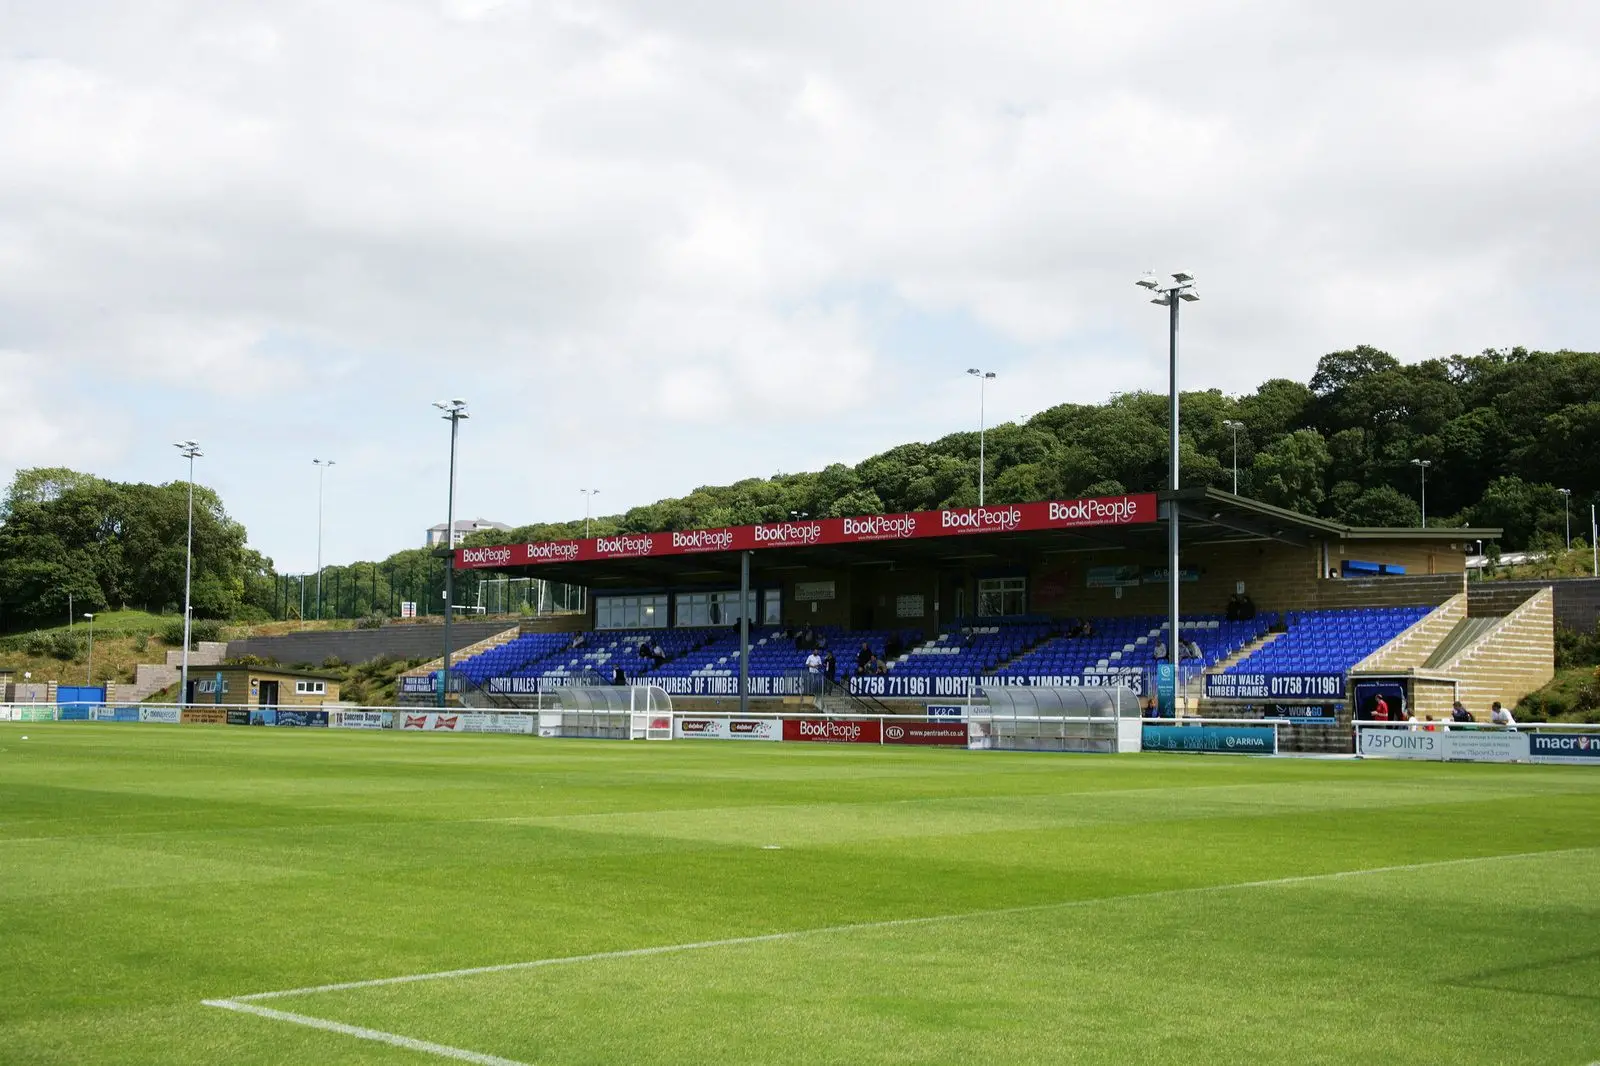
1240 608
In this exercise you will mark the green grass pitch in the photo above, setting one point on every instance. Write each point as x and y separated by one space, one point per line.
944 906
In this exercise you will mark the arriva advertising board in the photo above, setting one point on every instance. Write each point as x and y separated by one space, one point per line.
1232 740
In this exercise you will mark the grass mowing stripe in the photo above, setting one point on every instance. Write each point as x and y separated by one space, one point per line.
764 938
361 1033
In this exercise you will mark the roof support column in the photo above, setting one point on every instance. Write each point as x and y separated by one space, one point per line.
744 632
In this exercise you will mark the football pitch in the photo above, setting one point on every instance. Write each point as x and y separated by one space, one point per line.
211 894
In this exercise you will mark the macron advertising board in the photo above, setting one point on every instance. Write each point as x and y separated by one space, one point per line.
1581 749
1127 510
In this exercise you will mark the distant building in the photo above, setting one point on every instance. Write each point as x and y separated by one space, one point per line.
464 526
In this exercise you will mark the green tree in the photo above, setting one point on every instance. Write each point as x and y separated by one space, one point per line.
1290 473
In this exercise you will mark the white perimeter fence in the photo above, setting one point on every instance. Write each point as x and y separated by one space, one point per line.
645 714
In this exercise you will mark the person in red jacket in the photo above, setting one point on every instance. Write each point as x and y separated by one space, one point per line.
1380 710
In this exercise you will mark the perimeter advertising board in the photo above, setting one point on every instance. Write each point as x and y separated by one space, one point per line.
1137 509
204 716
1486 747
467 722
936 733
834 730
1274 686
1442 745
1570 748
909 687
165 715
359 719
728 729
1234 740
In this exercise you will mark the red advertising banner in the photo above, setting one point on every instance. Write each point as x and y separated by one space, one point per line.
1138 509
834 730
951 734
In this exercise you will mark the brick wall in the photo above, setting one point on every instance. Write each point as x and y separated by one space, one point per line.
1511 660
1412 648
1577 600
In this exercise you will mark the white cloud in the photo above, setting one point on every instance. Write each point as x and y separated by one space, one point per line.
657 245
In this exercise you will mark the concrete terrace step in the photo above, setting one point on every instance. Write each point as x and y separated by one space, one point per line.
1245 652
1467 632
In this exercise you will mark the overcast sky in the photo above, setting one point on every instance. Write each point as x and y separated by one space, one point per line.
671 244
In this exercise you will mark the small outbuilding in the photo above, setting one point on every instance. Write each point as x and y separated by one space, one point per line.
261 686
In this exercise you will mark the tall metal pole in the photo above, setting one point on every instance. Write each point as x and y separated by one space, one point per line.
1422 466
455 411
1594 540
744 633
322 467
90 672
1566 506
588 496
1173 481
1234 428
983 377
983 427
189 450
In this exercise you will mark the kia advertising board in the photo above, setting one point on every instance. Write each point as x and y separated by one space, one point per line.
834 730
728 729
1136 509
944 734
1579 748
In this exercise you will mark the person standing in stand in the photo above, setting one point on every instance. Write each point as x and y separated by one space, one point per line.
1380 709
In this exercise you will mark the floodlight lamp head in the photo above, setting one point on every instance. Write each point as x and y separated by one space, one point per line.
1188 295
1149 281
989 375
1565 492
974 371
1163 301
1183 276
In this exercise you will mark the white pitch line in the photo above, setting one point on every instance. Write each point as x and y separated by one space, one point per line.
396 1039
764 938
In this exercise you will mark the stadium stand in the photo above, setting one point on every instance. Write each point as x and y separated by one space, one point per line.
1329 641
1123 645
1020 647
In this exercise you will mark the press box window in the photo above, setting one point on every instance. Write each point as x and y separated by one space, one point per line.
310 688
1001 596
630 612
